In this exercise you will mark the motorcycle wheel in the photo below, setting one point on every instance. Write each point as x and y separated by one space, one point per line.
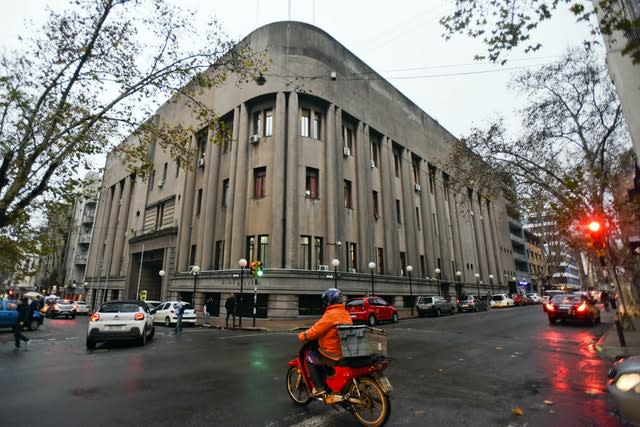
296 388
375 408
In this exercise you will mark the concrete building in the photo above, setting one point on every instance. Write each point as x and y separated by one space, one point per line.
329 171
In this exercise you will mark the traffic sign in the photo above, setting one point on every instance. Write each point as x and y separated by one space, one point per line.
620 270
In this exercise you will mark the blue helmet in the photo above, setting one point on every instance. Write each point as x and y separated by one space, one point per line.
331 296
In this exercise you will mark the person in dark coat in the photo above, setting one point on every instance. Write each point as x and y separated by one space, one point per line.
24 314
230 305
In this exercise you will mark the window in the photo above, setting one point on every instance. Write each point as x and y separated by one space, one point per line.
445 185
418 217
259 182
375 153
352 255
396 164
311 183
305 117
398 211
159 216
432 178
251 242
316 127
164 172
201 142
347 195
318 248
415 166
152 178
403 263
263 245
192 255
376 211
177 168
257 123
225 192
305 252
268 122
347 134
226 131
217 255
199 202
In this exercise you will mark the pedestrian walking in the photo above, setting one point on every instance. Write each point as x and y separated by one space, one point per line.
180 307
209 307
230 305
24 314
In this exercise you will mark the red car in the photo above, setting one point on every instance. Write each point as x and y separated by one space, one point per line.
371 310
518 299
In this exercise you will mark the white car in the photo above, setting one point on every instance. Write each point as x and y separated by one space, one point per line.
81 307
535 297
502 300
167 314
120 321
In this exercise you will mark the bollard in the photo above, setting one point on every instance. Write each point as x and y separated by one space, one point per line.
620 333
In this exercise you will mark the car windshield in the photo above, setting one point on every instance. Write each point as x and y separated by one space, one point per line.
567 299
497 298
119 307
355 302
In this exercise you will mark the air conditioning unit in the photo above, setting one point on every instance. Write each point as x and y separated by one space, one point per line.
418 188
346 151
352 270
254 139
373 164
323 267
161 183
201 162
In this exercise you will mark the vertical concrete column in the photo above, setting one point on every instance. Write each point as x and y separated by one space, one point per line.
485 238
442 219
100 230
208 212
228 262
475 213
408 206
428 233
278 183
388 202
457 239
112 226
240 189
186 216
329 179
293 177
121 229
364 208
495 244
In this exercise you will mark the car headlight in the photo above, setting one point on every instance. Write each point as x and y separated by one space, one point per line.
630 381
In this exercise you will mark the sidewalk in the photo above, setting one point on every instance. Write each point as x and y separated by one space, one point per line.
609 347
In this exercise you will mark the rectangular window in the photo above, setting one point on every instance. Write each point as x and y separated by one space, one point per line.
396 164
316 126
375 153
380 260
305 117
259 182
347 134
152 179
201 141
199 202
305 252
347 195
403 263
398 212
257 125
416 172
268 122
164 172
159 216
177 168
445 185
218 253
353 255
432 178
311 183
192 255
251 242
418 217
423 270
263 246
226 129
318 248
225 192
376 211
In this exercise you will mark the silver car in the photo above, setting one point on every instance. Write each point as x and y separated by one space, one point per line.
433 305
120 321
624 386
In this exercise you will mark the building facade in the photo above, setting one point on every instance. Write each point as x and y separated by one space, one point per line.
328 171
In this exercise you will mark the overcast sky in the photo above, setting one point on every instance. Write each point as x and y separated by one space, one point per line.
399 39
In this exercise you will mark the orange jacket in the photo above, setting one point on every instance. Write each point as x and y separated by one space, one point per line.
325 332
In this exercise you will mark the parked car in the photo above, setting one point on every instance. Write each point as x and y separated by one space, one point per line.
518 300
8 313
371 310
471 303
58 308
167 314
534 297
81 307
433 305
573 308
501 300
152 304
120 321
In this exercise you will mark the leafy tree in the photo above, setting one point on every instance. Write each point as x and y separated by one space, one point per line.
506 24
93 75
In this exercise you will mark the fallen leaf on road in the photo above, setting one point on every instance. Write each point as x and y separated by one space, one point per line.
498 348
548 402
517 411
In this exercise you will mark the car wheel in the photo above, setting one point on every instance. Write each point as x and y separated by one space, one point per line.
552 321
167 321
91 344
372 320
437 312
394 318
142 340
152 333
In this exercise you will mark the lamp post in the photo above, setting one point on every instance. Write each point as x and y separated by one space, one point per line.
437 271
242 263
162 273
491 282
372 266
409 270
477 276
194 270
458 285
85 285
335 263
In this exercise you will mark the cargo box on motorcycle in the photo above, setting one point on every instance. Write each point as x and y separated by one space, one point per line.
362 340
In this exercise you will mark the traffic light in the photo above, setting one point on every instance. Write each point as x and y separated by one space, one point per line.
259 271
256 269
595 229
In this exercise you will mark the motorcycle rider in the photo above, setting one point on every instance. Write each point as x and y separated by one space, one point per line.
328 351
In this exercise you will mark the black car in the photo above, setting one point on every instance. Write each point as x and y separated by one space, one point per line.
471 303
573 308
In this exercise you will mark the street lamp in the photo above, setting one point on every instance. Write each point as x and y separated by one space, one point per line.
242 263
335 263
194 270
409 270
437 271
162 273
372 266
458 285
477 276
491 282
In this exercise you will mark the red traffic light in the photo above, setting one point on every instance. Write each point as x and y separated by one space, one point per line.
594 226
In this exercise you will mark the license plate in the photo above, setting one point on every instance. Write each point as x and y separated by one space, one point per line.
353 315
114 327
385 383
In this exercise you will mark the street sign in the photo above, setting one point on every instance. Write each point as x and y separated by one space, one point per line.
620 270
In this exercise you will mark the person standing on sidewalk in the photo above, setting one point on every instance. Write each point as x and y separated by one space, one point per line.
230 306
24 314
209 307
180 307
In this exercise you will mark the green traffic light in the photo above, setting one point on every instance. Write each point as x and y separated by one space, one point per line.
260 273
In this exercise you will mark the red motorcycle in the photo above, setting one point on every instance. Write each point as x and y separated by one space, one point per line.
355 383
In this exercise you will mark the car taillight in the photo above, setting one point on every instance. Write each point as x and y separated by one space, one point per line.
95 317
56 307
550 307
582 307
138 316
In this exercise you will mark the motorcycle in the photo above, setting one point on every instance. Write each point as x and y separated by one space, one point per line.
357 384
